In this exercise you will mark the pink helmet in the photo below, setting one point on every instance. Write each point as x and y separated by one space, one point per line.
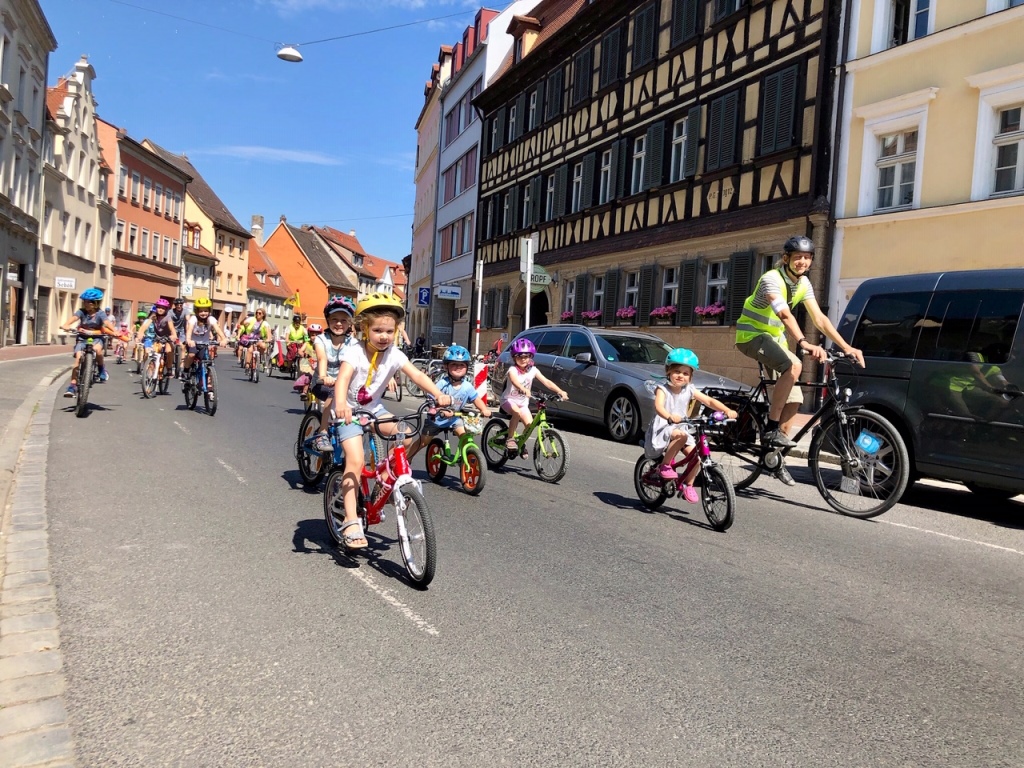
163 303
523 347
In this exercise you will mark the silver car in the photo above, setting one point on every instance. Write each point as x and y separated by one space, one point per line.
604 371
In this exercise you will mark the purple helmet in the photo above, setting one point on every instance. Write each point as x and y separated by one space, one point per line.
163 303
523 347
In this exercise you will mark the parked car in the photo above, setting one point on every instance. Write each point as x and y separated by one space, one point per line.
604 372
944 356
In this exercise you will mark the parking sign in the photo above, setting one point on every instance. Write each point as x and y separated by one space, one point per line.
423 298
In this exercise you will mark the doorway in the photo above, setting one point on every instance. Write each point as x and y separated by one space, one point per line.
539 308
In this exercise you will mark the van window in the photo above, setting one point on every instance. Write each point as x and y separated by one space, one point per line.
890 324
578 342
551 343
971 326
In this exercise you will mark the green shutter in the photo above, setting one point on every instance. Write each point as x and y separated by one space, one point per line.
741 283
587 193
580 300
687 290
646 294
561 180
611 297
535 199
692 141
654 166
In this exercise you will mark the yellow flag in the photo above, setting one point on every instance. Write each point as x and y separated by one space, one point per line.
293 301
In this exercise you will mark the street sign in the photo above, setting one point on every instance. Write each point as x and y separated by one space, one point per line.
64 283
525 254
452 292
423 297
186 290
538 279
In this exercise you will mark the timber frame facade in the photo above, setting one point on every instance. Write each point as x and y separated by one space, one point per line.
658 154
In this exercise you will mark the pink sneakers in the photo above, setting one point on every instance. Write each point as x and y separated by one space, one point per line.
690 494
667 473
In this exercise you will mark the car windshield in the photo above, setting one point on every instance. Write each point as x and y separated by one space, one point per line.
632 349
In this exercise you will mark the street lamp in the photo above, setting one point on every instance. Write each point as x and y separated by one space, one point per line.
289 53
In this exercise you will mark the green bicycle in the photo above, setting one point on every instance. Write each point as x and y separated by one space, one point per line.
550 451
467 456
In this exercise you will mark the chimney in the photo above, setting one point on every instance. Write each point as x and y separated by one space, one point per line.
284 218
257 229
351 233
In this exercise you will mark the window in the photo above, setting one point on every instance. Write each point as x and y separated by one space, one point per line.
644 36
239 284
147 193
531 122
722 123
511 124
577 187
890 324
467 234
597 301
177 207
230 282
118 236
167 250
639 156
145 243
610 59
725 7
897 22
549 199
495 134
217 281
158 200
506 212
632 289
174 251
156 247
718 282
122 182
133 239
970 326
778 110
604 193
669 286
582 75
551 342
527 205
897 168
136 185
1009 152
569 304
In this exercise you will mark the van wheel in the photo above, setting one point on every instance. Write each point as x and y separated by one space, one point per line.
986 493
622 417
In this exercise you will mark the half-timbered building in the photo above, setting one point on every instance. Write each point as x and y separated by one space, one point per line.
657 154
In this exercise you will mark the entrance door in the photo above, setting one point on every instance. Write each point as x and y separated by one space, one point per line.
43 317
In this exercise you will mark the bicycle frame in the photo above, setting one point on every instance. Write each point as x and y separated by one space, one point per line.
466 440
539 424
700 455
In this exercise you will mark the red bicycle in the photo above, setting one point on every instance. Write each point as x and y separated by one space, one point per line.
387 466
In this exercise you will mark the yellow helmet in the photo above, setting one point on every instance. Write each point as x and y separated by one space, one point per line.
203 304
381 301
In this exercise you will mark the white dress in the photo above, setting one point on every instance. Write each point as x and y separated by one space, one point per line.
659 432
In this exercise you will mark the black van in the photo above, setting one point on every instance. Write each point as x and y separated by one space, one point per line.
945 363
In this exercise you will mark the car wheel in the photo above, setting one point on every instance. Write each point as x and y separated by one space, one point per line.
622 417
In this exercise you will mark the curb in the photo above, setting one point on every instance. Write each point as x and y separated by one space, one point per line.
34 728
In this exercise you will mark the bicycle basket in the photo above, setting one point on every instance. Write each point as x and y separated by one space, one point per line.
473 423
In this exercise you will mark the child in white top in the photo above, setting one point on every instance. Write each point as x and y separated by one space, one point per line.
366 368
665 435
515 400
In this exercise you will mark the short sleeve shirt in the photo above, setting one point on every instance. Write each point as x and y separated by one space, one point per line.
90 322
388 363
771 284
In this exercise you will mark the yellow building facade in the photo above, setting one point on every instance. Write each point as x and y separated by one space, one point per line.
931 165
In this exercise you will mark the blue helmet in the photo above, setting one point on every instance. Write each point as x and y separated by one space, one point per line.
457 354
91 294
682 356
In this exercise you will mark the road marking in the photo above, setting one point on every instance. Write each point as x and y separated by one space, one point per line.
231 469
183 429
626 461
420 623
955 538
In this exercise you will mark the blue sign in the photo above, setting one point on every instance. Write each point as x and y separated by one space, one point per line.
423 299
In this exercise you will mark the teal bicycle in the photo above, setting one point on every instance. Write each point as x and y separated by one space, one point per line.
550 451
467 455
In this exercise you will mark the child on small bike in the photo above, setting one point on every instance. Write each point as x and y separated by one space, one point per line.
455 384
90 322
363 379
666 435
307 360
515 400
330 351
200 328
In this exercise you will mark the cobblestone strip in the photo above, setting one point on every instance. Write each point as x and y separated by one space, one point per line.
34 729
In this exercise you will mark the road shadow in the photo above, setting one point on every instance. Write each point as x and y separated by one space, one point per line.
295 482
630 503
964 503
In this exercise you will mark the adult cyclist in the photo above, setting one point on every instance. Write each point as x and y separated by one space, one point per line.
295 338
180 320
762 330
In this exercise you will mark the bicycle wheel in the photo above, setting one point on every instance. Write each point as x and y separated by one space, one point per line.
861 467
210 395
718 498
334 504
149 377
413 388
737 444
256 365
648 484
191 392
436 466
84 384
312 466
398 387
416 536
165 383
493 442
550 455
473 471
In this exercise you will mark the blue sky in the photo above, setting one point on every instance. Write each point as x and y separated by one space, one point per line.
330 140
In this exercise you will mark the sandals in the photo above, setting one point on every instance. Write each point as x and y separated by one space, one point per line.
349 539
511 445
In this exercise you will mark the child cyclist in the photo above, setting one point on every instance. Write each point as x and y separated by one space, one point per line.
666 434
307 360
515 400
366 369
89 321
164 333
455 384
330 351
200 329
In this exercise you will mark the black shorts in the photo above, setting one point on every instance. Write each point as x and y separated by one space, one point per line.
322 391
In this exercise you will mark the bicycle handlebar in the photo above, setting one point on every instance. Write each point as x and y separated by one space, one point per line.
368 421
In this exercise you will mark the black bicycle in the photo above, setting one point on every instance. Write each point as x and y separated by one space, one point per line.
858 458
202 379
88 373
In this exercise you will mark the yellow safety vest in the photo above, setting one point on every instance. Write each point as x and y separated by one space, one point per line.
753 321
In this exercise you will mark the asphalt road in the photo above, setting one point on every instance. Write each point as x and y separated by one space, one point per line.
207 621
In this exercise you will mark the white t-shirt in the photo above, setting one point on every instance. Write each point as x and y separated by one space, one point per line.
388 363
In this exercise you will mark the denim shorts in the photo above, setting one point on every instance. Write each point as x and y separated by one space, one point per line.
80 345
346 431
434 426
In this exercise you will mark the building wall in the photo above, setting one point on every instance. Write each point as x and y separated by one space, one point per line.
949 86
298 273
232 274
26 42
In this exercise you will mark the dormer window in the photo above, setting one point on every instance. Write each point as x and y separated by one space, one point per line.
276 279
357 260
261 276
518 55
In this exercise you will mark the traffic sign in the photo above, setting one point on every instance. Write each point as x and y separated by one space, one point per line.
423 297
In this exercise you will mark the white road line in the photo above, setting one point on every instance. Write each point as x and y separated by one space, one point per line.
183 429
418 621
955 538
231 469
626 461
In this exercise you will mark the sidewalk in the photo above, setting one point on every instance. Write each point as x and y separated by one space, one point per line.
33 716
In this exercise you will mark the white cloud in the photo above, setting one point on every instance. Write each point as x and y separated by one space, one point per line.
270 155
403 161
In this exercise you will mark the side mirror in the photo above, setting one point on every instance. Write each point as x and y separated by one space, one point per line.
584 357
